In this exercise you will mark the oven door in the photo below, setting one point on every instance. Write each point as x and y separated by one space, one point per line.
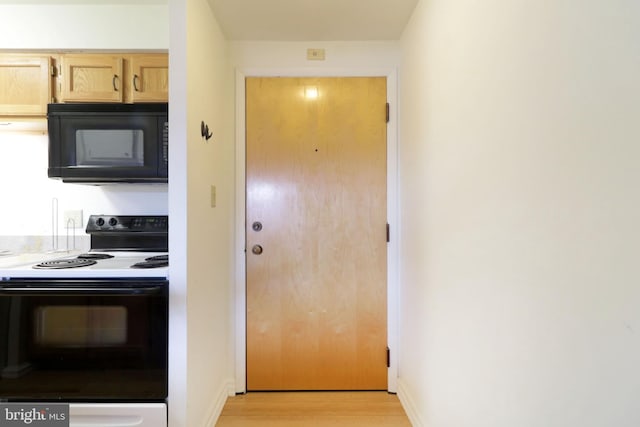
83 340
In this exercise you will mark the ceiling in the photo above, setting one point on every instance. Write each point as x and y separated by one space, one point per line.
319 20
294 20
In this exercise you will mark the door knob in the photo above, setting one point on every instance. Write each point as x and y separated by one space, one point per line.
256 249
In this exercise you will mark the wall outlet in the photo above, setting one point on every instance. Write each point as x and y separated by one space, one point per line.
73 219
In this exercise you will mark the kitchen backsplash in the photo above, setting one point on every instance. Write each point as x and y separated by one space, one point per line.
43 244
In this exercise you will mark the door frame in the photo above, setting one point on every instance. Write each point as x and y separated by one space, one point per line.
240 294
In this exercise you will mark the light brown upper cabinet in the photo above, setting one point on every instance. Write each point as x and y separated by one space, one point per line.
91 78
114 78
148 78
25 85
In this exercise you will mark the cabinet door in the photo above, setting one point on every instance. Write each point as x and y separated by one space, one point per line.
148 78
25 85
91 78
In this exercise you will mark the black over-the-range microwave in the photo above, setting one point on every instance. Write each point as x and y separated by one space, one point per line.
98 143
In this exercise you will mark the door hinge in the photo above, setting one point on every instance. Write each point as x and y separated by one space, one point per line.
387 112
388 233
388 357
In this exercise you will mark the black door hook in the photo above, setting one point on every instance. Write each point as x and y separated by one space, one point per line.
204 130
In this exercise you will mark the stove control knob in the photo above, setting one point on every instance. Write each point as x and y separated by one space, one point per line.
113 222
100 222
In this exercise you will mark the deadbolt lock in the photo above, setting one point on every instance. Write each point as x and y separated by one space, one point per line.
257 226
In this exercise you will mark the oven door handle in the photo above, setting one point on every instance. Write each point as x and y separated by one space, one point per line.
99 290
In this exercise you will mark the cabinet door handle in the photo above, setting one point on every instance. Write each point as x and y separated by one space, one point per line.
135 83
115 78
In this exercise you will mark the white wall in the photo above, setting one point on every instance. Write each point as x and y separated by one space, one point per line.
78 26
519 152
201 89
27 193
263 56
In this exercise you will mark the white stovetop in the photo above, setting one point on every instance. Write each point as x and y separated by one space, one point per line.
21 266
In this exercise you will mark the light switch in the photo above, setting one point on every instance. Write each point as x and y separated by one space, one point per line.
213 196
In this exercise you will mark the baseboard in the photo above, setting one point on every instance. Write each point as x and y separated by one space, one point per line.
227 389
409 405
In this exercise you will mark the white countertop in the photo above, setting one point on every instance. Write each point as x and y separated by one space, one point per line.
11 260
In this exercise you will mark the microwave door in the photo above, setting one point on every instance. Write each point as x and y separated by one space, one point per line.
109 148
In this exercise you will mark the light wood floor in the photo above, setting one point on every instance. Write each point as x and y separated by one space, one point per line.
314 409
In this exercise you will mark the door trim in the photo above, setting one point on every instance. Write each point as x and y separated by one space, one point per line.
239 302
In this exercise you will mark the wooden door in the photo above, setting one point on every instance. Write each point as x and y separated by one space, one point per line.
25 85
92 78
148 78
316 219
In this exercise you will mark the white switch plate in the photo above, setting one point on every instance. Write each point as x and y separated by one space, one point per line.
73 219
